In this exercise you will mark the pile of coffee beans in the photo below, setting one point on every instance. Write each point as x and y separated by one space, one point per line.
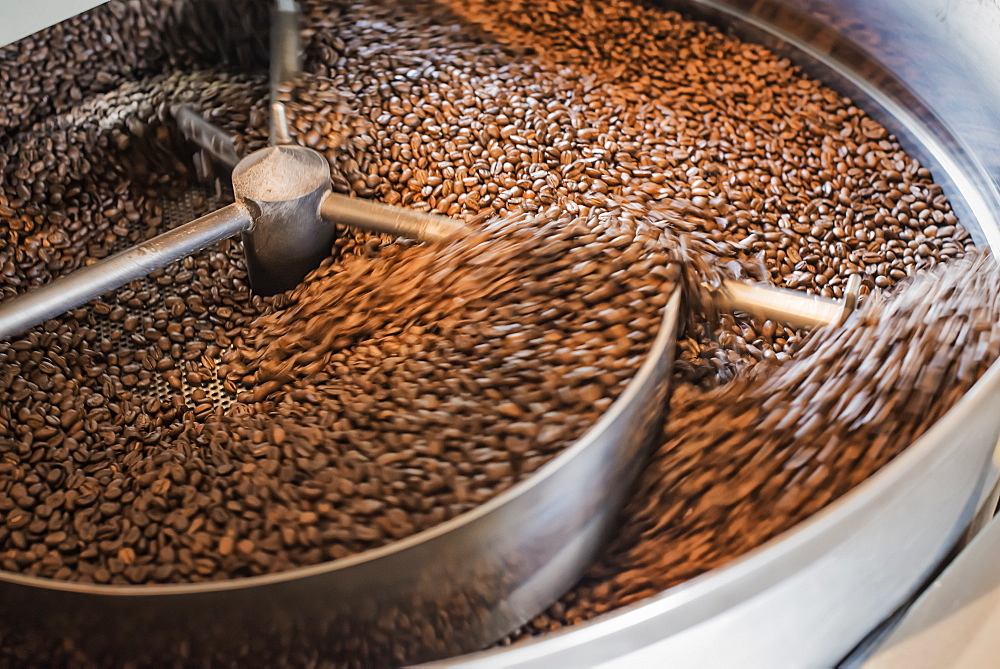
746 461
119 42
599 132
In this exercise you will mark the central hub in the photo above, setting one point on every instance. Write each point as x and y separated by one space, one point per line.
283 187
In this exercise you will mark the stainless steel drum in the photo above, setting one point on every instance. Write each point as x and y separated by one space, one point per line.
926 69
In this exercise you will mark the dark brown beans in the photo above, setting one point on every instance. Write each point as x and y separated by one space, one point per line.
163 433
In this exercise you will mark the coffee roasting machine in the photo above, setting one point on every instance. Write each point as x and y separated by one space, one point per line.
902 571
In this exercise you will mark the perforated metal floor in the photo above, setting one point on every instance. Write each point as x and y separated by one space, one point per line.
176 212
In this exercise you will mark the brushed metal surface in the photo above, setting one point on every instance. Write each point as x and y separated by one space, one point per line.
283 188
956 622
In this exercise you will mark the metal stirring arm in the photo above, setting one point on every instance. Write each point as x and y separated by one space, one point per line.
284 210
286 62
367 215
383 218
788 307
24 312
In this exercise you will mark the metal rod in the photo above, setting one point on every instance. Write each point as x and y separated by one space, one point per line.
388 219
216 142
789 307
23 312
364 214
280 135
285 61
